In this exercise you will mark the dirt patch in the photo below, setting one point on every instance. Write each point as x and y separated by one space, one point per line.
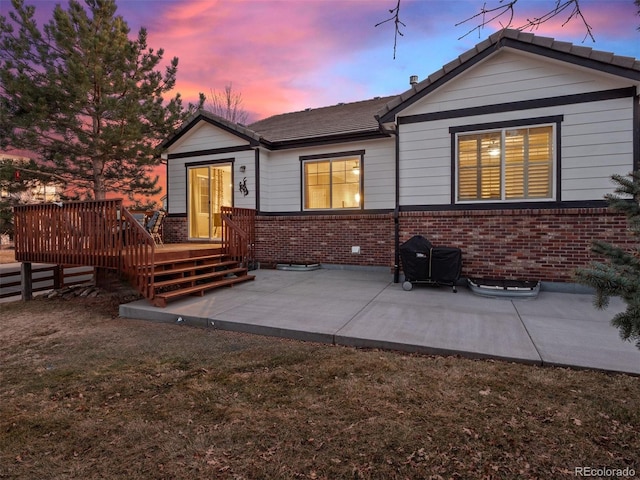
88 395
7 255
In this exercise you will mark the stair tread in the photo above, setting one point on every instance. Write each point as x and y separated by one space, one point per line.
204 286
202 276
189 259
195 267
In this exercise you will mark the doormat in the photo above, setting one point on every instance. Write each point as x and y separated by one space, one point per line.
491 287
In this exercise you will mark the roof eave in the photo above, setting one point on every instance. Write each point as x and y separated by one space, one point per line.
324 140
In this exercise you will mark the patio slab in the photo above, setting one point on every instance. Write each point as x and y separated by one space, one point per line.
463 324
365 309
569 331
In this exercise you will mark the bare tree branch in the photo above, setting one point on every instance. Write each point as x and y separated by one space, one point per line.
506 10
395 17
504 14
228 105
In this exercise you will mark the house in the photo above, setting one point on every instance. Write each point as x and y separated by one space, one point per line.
506 152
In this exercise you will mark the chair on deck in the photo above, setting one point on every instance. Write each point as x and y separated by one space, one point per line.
154 224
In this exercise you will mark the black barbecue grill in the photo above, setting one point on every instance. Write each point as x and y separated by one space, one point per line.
424 263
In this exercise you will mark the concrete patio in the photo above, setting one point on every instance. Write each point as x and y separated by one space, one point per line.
366 309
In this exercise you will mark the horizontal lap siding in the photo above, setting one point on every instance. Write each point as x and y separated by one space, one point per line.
205 136
177 178
597 141
201 138
425 163
512 76
281 175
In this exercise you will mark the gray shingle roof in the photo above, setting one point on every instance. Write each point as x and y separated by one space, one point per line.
515 38
341 119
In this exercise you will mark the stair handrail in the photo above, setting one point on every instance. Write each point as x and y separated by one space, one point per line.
234 240
138 254
238 234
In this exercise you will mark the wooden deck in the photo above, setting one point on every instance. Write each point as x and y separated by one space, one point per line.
174 251
106 235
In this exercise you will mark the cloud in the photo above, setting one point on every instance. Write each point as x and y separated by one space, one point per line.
277 53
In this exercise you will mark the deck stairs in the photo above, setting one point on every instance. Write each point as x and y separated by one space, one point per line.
193 272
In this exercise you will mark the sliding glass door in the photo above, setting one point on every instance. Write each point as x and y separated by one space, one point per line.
210 187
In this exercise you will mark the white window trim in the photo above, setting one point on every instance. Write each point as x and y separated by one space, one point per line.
554 162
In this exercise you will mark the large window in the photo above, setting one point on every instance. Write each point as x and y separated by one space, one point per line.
506 164
331 183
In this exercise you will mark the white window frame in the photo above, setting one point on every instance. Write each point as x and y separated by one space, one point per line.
503 130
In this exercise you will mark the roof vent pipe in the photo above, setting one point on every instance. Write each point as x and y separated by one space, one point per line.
413 79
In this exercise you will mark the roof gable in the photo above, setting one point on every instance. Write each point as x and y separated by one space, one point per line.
626 67
219 122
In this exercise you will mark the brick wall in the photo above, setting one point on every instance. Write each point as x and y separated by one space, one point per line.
521 244
524 244
174 230
325 239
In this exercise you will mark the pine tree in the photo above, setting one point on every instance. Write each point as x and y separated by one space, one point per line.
86 98
619 275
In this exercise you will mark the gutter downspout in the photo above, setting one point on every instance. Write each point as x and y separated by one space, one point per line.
396 213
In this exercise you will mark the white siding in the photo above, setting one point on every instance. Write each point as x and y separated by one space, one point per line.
511 76
177 179
204 136
597 141
281 187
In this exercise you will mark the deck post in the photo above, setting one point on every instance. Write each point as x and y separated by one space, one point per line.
27 281
58 277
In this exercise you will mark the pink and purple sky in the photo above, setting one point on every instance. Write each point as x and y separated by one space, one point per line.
288 55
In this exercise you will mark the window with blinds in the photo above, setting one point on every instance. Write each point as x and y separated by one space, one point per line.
507 164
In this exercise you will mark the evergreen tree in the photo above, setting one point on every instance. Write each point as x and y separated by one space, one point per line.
86 98
619 275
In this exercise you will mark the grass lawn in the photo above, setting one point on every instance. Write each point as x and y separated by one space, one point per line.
88 395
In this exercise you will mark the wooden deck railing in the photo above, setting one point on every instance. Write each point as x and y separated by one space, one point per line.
104 234
239 233
75 233
138 254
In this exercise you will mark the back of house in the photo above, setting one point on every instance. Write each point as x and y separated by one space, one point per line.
506 152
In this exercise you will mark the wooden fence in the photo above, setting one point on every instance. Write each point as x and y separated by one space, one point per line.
45 277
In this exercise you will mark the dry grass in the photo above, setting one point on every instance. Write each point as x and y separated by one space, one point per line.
85 394
7 256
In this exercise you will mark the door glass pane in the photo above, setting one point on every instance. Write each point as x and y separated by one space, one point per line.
210 187
199 202
221 196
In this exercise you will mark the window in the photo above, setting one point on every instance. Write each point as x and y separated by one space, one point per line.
331 183
507 164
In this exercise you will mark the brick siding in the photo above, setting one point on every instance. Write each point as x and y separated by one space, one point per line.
546 244
325 239
174 230
536 244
